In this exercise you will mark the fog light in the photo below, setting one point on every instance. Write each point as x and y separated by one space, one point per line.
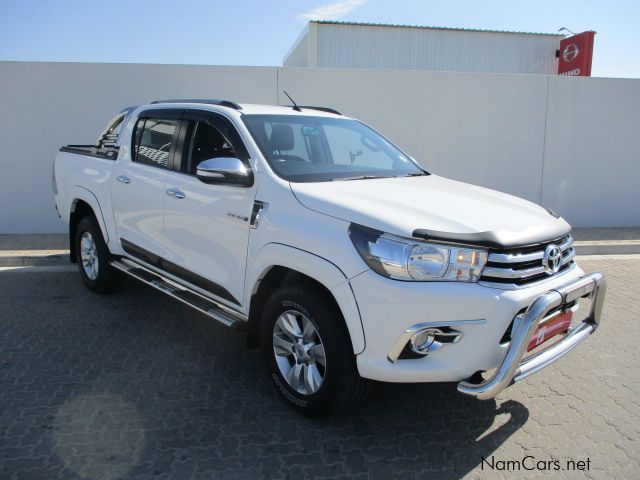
424 341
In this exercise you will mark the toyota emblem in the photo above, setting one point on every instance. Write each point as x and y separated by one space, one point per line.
570 52
552 258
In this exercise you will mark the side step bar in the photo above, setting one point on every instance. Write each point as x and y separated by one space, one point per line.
205 305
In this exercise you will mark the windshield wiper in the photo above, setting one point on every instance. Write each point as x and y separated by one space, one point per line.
364 177
370 177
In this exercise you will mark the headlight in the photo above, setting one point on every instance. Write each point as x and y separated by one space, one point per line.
413 260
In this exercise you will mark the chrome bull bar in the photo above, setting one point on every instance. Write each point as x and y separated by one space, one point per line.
513 367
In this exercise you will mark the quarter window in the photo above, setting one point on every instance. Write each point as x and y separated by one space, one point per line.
154 138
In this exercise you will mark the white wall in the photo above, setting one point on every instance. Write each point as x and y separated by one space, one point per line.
569 143
592 150
47 105
485 129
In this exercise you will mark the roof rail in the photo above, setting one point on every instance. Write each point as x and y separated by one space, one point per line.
322 109
211 101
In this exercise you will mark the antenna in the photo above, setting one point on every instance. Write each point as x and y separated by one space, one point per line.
295 105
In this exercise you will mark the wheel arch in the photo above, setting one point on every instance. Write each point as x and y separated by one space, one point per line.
84 203
278 265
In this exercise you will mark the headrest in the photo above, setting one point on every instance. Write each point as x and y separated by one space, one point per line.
281 137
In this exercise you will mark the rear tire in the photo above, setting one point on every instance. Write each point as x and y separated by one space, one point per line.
308 352
93 257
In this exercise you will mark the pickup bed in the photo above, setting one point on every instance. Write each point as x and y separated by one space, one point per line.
330 247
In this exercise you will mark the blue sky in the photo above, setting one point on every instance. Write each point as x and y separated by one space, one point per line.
260 32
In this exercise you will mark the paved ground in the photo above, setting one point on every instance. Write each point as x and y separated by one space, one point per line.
34 242
135 385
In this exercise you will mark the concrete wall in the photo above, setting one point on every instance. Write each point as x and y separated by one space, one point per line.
592 150
568 143
47 105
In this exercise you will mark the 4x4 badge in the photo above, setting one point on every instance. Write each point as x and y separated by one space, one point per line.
239 217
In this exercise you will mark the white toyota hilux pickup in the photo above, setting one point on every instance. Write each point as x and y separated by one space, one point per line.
339 255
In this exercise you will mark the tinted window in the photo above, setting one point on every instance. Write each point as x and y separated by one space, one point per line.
314 149
153 140
207 142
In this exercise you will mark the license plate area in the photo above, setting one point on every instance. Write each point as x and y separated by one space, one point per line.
550 327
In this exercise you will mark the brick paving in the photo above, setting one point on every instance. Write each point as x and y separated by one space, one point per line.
135 385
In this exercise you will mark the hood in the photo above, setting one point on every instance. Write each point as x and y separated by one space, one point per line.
435 208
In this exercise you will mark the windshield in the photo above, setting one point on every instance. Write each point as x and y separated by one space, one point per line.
320 149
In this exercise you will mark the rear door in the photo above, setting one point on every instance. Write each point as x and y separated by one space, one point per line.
138 187
206 227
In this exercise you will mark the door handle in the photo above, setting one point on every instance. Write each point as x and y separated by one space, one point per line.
123 179
174 193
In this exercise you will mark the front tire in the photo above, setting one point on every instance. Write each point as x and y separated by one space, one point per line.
308 352
93 257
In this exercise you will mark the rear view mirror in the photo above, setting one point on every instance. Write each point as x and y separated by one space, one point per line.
224 170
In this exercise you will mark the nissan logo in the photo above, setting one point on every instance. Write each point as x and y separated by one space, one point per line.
552 258
570 52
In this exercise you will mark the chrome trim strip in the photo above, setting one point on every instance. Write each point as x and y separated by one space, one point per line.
217 310
525 257
511 273
567 244
513 367
570 254
398 347
524 273
518 258
514 286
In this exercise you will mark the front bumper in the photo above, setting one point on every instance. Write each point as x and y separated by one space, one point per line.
513 368
392 310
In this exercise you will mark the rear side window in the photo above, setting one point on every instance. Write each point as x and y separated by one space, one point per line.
154 138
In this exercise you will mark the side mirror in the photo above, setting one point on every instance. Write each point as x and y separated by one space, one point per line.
224 170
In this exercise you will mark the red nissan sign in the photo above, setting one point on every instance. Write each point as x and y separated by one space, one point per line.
575 55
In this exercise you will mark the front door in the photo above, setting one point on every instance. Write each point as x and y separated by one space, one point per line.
206 227
138 187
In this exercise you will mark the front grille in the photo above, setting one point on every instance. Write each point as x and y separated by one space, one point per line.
519 267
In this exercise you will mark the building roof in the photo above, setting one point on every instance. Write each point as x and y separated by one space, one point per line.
426 27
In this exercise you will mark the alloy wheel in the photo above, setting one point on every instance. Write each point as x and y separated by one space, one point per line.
89 256
299 352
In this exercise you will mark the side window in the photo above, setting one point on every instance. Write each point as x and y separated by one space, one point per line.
207 142
153 140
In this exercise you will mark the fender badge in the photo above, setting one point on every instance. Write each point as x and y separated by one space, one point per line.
239 217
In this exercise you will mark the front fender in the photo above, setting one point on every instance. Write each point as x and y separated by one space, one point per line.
316 267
